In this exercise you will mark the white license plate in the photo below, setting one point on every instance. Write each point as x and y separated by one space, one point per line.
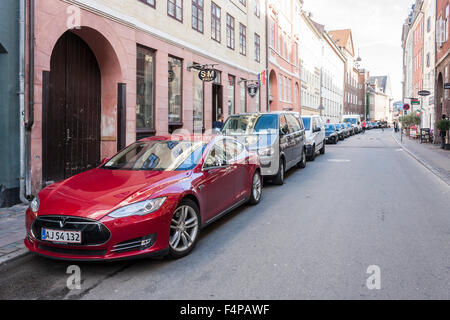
61 236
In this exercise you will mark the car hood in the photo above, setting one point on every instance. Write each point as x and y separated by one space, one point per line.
96 192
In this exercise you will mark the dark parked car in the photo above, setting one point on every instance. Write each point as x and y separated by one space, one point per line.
340 132
278 138
331 135
350 129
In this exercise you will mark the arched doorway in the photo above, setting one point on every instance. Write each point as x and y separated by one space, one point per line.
71 117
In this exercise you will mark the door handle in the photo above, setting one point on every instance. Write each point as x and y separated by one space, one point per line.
68 137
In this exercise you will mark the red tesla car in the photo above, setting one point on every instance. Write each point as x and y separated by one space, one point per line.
152 198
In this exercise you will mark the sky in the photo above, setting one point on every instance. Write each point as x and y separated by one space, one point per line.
377 31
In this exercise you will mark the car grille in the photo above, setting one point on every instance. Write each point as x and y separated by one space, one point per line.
75 252
92 232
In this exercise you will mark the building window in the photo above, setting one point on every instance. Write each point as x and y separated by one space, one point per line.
257 8
230 32
215 22
231 94
175 9
244 2
198 112
243 95
145 97
151 3
272 33
257 48
242 39
197 15
175 90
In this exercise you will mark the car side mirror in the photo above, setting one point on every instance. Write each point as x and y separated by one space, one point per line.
284 130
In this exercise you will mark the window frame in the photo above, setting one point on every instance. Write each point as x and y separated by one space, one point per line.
194 3
217 20
232 29
148 131
149 4
175 13
257 45
242 39
180 123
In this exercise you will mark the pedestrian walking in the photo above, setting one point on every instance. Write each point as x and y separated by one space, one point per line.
364 127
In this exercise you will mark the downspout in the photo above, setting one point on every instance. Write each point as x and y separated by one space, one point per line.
30 122
267 59
22 100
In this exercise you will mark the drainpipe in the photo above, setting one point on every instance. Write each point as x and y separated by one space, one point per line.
30 122
22 99
267 57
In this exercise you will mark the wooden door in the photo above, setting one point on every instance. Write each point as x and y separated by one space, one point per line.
71 117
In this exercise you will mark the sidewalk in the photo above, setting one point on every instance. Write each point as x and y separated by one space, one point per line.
12 232
430 155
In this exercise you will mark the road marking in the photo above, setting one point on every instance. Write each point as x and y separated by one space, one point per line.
338 160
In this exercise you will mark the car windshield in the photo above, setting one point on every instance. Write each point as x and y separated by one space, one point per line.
307 123
251 124
158 156
350 120
329 127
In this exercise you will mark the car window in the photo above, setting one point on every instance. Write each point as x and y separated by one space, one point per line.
307 123
233 149
293 123
251 124
217 156
283 122
158 156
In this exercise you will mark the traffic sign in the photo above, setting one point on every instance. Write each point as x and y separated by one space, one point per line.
406 107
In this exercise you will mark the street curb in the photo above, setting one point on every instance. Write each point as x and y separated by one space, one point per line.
422 161
14 255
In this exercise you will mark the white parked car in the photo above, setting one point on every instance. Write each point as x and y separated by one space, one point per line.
315 136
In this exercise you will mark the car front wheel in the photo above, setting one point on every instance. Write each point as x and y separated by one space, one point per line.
256 192
279 178
184 229
322 150
302 163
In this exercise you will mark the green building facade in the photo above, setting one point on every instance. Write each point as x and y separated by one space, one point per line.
9 102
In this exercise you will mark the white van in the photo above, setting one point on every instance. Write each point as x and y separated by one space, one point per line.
315 136
354 120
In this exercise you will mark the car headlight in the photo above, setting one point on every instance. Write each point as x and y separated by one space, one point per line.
34 205
138 209
309 141
266 152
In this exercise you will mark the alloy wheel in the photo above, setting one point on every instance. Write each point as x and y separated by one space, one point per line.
183 228
257 187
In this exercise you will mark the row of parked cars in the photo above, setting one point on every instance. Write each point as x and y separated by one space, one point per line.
336 132
155 196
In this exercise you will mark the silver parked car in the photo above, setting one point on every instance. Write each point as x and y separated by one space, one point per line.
278 137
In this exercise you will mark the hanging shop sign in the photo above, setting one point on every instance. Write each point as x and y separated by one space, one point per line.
252 90
447 86
424 93
207 75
